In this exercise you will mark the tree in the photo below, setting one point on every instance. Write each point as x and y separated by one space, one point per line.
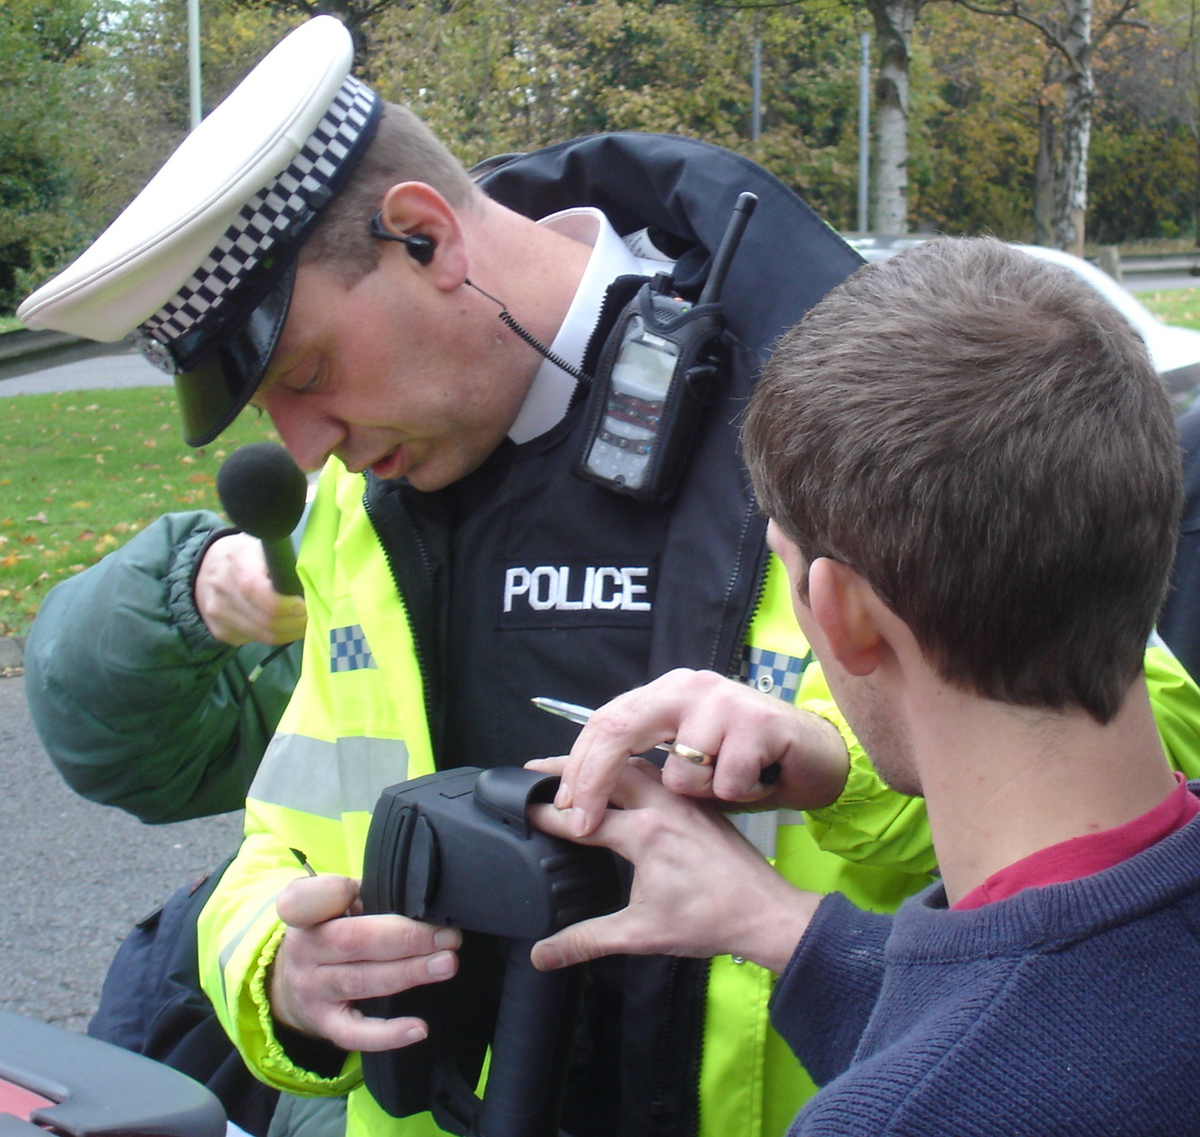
973 118
492 76
1176 36
1071 34
44 59
894 21
357 15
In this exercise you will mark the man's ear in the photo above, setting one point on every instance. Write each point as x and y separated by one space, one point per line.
844 607
412 208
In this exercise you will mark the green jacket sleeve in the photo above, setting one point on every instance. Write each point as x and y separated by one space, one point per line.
137 705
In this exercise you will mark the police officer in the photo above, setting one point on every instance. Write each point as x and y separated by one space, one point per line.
434 350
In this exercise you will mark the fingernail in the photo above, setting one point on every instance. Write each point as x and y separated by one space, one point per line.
446 938
578 822
416 1034
441 966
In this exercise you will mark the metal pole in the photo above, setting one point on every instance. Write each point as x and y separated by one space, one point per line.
193 12
756 84
864 129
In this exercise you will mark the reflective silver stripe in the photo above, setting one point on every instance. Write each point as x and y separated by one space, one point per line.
227 951
327 779
760 828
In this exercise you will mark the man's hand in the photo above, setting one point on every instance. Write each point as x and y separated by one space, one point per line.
742 729
331 957
699 888
236 601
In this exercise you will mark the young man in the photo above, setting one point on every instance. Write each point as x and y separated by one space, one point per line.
973 479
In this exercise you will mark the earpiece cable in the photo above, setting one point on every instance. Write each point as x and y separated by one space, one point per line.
510 321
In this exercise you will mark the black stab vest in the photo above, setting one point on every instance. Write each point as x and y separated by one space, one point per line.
524 580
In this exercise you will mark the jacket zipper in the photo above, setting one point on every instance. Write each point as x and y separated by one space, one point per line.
419 647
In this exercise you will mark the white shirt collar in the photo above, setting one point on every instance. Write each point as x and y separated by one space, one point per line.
550 393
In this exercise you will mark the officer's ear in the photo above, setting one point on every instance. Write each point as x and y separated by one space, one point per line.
427 228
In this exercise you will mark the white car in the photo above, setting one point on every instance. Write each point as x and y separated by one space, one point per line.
1175 352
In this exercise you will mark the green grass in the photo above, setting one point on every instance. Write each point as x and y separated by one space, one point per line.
82 472
1175 306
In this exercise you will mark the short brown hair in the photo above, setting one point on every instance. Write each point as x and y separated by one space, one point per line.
403 149
982 437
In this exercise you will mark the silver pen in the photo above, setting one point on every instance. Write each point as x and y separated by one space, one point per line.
573 712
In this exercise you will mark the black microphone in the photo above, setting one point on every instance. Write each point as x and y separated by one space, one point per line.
263 493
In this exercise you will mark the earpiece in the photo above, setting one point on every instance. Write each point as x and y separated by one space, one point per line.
420 245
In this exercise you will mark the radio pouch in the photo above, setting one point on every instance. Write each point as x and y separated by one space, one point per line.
657 371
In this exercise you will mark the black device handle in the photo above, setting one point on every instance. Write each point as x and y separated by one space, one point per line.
281 568
530 1049
456 847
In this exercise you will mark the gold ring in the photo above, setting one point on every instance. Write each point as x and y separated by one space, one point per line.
698 757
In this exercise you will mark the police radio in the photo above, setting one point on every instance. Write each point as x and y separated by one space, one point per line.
655 376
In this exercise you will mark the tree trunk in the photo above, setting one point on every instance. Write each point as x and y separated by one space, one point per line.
894 21
1070 199
1043 168
1043 178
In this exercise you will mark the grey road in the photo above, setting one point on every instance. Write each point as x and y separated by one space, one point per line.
102 372
1159 282
74 877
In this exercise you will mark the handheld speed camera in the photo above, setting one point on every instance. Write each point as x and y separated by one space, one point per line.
456 847
656 374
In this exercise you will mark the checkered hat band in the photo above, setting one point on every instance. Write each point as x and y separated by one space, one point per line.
268 215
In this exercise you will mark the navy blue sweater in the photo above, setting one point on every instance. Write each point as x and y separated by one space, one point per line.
1069 1009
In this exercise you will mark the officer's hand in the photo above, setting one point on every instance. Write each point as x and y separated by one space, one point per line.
235 599
741 731
699 888
330 957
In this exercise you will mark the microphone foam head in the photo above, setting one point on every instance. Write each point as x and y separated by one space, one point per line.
262 490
